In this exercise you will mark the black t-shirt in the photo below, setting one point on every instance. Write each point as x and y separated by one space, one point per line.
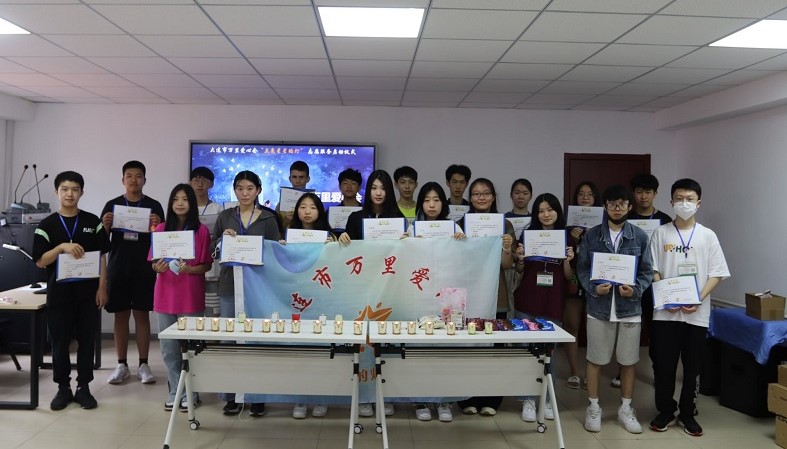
129 257
658 215
88 232
355 222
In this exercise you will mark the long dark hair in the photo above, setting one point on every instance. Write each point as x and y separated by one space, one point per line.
488 183
390 208
419 204
593 188
192 216
554 203
321 224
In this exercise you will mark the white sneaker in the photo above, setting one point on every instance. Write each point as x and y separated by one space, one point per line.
299 411
422 412
549 412
444 412
593 418
120 374
529 410
628 417
389 409
320 410
365 410
144 374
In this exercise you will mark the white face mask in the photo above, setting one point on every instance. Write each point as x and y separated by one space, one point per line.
685 209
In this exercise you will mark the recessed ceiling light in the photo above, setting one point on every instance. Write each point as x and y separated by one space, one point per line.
371 22
763 34
7 27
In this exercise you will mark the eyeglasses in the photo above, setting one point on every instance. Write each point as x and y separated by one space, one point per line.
481 195
617 206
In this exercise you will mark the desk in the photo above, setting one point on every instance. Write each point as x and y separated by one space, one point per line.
733 326
276 363
471 369
33 306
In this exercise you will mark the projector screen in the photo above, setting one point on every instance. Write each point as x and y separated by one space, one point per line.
271 161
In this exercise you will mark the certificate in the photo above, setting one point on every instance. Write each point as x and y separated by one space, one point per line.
617 269
306 236
677 291
338 215
172 245
584 216
383 228
545 244
71 269
436 228
649 226
457 211
484 225
241 250
134 219
288 198
519 224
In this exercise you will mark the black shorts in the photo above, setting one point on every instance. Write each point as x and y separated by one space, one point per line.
130 293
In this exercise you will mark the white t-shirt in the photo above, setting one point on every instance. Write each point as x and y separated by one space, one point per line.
703 250
209 213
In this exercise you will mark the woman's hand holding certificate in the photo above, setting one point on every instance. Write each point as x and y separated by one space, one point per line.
616 269
241 249
544 244
173 245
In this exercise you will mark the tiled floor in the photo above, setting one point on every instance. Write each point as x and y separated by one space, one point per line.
131 416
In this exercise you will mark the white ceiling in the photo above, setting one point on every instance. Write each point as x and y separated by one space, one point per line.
631 55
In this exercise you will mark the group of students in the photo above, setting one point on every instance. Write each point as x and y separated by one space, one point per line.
558 289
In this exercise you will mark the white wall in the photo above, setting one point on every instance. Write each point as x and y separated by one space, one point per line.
740 165
498 144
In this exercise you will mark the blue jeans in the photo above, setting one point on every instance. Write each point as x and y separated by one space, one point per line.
170 352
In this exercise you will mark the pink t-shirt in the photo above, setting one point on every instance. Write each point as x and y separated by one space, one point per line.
183 293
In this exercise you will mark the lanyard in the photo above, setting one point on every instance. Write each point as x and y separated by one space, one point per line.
73 231
138 202
240 221
651 215
685 244
205 208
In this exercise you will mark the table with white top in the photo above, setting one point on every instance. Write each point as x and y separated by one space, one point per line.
465 365
302 363
33 305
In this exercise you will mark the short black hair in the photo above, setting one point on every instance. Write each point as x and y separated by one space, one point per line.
455 169
69 176
351 175
617 192
134 164
300 166
405 172
523 182
686 184
645 181
202 172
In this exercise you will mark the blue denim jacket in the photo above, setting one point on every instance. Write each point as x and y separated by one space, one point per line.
634 242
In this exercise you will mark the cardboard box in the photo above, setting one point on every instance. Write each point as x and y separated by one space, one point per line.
782 375
781 431
765 308
777 399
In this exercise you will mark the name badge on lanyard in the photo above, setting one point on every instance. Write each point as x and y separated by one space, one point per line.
132 236
544 279
687 269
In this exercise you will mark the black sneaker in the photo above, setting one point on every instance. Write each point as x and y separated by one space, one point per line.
690 425
257 409
84 398
232 408
63 397
661 422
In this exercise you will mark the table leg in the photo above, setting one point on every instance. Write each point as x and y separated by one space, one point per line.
382 426
355 426
35 356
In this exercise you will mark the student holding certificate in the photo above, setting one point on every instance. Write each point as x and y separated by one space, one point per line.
483 200
180 284
349 184
614 311
129 277
247 218
379 201
71 306
432 205
683 248
310 215
543 282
